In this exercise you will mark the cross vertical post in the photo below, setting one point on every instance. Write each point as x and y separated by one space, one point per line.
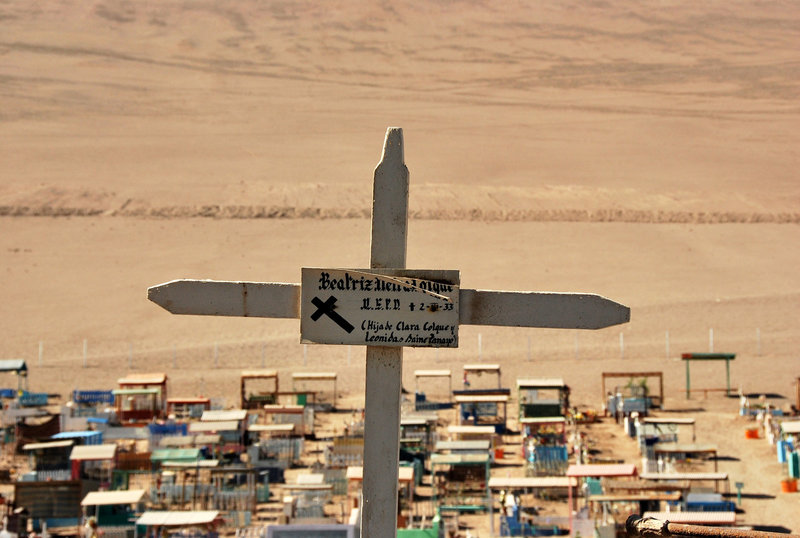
384 366
384 369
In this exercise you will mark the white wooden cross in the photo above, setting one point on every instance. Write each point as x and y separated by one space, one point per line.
384 365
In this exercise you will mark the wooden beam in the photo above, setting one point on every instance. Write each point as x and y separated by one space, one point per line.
477 307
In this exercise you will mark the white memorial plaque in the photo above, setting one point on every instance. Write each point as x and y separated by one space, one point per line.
379 307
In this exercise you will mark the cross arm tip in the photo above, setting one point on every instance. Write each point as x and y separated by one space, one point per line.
393 145
541 309
158 294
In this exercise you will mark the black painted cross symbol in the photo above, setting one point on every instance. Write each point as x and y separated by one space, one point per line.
327 309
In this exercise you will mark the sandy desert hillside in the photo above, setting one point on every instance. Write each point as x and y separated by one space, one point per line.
644 151
576 111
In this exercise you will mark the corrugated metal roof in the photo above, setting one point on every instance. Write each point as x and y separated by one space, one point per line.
614 486
143 379
84 434
542 420
124 433
189 400
271 428
219 416
177 519
429 416
97 498
478 444
634 496
50 444
307 487
13 365
684 476
93 452
505 482
132 392
602 469
791 427
207 439
221 426
175 454
708 356
415 421
459 458
717 518
287 409
11 414
471 429
482 398
190 464
173 441
356 472
311 478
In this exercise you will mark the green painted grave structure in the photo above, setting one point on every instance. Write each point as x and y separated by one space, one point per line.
727 357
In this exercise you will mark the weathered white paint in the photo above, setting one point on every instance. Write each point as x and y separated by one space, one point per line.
540 309
390 205
476 307
379 307
223 298
384 364
381 440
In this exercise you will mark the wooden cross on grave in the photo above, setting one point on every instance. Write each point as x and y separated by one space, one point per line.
386 307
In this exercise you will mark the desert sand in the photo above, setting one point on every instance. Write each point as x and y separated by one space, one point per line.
644 152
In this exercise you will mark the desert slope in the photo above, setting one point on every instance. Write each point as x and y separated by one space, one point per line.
645 152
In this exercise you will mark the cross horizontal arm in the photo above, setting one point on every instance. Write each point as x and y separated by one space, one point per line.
477 307
540 309
224 298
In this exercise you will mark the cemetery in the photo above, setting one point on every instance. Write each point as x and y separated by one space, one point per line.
318 459
246 471
232 303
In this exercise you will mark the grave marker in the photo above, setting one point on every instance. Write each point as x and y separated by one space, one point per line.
379 307
339 311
